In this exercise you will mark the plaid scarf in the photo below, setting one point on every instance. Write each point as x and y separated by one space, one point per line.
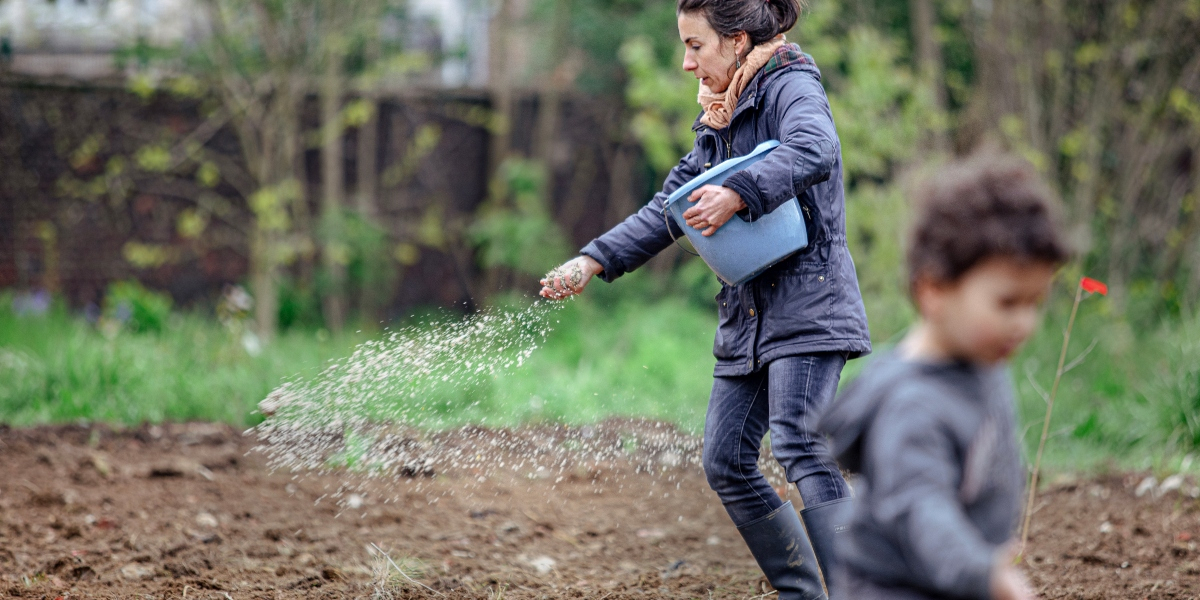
787 54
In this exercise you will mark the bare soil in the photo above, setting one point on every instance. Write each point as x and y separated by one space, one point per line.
187 511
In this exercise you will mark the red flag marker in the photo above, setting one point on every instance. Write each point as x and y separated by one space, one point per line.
1094 286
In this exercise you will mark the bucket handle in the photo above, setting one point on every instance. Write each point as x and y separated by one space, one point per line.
666 220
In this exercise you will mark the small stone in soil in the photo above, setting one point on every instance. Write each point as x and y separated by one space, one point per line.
135 571
543 564
1147 485
651 534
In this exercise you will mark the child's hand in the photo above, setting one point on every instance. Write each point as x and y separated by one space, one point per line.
1008 583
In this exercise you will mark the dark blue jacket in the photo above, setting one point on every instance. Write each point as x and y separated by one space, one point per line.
807 303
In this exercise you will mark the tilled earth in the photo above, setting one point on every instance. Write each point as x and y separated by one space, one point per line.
187 511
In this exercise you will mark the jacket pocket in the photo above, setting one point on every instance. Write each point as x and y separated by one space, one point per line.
798 302
730 340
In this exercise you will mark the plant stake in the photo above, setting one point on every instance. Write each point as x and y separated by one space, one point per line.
1091 286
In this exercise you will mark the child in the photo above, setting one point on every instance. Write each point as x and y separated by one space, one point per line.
929 426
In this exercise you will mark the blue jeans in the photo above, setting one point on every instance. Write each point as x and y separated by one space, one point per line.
786 396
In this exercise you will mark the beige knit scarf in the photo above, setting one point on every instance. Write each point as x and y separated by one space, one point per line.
718 108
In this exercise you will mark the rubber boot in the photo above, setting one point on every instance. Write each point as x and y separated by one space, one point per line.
781 547
824 522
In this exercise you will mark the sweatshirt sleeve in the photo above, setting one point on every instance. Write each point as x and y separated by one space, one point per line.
807 153
645 233
915 473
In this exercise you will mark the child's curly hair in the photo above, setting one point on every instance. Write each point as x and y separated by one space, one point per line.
988 205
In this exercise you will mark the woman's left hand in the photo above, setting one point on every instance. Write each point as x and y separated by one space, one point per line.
714 206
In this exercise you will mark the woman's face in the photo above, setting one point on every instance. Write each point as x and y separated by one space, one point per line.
707 55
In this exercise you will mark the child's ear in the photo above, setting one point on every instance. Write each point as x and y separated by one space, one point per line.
929 294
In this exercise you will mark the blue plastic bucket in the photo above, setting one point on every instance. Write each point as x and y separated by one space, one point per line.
740 250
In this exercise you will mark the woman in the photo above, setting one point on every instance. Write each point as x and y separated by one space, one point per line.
784 336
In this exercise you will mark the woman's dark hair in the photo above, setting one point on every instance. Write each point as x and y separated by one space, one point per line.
762 20
990 205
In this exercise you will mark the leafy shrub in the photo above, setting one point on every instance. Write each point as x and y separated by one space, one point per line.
299 305
139 309
515 229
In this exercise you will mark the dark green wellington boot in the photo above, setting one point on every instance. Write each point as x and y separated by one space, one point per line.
781 547
824 522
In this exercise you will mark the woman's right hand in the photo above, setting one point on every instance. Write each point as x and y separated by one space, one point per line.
570 278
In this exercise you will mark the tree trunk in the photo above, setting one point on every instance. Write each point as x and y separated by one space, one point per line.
263 285
368 164
302 218
550 97
620 199
367 153
333 252
372 296
929 63
264 241
501 84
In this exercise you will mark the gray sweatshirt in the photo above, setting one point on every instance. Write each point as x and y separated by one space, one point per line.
941 478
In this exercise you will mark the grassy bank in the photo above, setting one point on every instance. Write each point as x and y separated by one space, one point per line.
605 356
1133 401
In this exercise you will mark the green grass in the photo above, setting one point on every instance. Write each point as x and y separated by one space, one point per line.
626 357
611 355
59 368
1132 402
626 349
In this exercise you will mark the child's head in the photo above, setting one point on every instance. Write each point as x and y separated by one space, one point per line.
981 254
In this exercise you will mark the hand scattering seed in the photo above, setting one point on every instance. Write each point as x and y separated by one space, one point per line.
576 276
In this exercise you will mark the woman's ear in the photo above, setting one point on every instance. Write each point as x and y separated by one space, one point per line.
741 43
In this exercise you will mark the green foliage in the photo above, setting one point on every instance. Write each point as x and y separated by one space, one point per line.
360 246
1062 98
270 203
299 305
1177 387
144 256
139 309
875 221
515 229
875 103
59 368
155 159
663 101
599 28
1131 401
371 269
